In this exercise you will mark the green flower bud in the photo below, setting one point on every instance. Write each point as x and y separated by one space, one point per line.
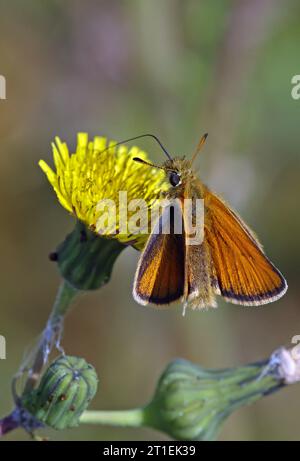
65 391
191 403
86 260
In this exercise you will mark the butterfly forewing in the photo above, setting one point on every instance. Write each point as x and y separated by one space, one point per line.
244 273
160 274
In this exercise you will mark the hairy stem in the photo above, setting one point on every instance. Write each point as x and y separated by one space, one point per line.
50 337
52 332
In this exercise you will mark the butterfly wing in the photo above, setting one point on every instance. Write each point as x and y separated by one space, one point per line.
159 277
244 274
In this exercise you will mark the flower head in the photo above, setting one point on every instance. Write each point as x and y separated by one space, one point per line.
94 173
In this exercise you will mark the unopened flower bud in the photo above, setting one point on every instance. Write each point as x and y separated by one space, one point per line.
65 391
190 402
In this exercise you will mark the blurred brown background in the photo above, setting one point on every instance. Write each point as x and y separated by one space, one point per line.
177 69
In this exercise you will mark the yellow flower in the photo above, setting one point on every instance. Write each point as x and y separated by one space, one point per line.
92 174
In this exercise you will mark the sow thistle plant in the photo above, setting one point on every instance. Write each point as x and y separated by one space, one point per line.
189 402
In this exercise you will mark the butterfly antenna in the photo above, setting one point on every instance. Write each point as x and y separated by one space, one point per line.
199 147
140 160
138 137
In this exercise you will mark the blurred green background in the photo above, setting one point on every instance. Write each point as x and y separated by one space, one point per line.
177 69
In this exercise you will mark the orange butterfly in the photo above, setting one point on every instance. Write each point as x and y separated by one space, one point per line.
229 262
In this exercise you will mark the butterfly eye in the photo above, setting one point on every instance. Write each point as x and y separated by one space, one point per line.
174 178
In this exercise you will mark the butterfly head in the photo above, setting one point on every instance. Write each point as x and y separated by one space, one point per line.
178 171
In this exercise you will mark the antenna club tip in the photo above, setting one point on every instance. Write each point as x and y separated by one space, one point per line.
205 135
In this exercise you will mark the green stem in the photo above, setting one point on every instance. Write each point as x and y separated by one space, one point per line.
65 295
123 418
